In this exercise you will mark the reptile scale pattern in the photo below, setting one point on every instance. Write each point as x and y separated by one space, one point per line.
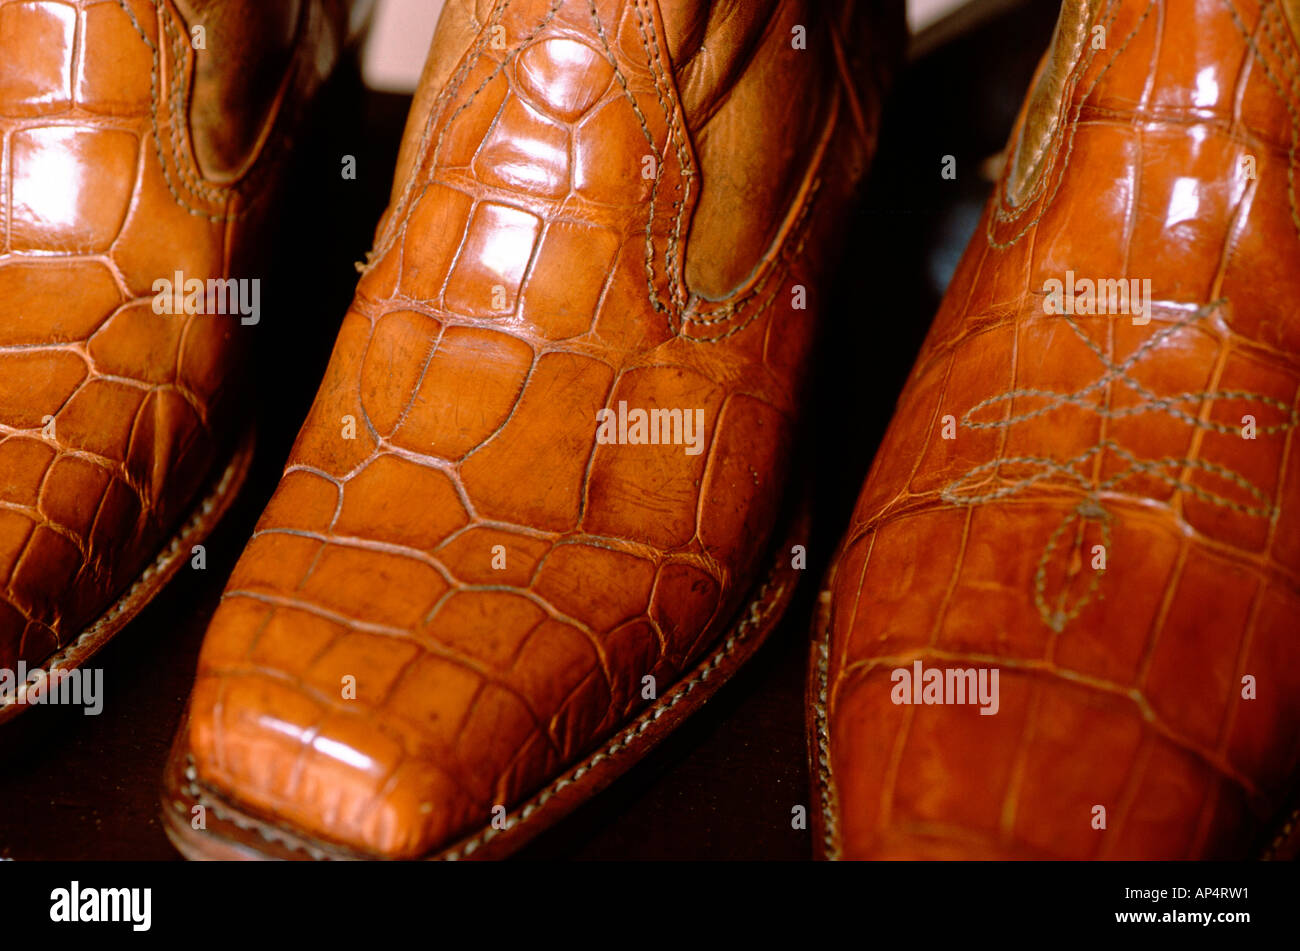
1168 154
112 416
449 538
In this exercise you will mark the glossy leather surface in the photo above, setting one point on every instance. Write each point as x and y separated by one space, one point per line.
493 583
111 414
1121 681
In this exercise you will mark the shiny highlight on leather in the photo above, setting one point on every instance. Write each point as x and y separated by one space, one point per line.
1044 110
1113 521
113 416
500 583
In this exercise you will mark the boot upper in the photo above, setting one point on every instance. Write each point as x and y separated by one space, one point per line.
129 157
1097 499
462 581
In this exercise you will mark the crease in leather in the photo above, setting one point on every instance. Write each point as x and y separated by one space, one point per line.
740 159
172 63
249 57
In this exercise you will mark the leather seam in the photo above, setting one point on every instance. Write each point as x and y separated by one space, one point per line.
655 303
403 211
1061 108
830 848
673 120
1000 213
674 261
1287 101
156 107
257 167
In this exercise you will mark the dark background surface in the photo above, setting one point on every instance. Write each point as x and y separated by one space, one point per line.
723 785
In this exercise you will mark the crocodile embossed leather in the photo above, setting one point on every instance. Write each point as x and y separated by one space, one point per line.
1064 621
540 507
140 142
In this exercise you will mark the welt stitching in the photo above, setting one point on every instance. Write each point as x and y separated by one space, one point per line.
824 744
760 608
160 562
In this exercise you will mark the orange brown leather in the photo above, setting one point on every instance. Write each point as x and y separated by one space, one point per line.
1112 521
113 416
456 591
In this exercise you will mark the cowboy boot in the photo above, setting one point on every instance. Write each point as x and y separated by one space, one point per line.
1063 621
537 512
142 140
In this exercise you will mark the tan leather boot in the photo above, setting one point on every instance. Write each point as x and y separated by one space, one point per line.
1064 621
539 510
142 142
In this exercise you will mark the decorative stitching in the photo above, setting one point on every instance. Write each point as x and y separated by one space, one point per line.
259 174
1002 212
655 303
1287 101
684 313
1067 93
673 119
1092 506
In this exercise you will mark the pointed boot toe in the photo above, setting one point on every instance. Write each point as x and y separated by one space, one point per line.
120 445
540 508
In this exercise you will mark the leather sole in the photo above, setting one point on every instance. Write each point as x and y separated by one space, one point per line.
219 495
234 833
1282 841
